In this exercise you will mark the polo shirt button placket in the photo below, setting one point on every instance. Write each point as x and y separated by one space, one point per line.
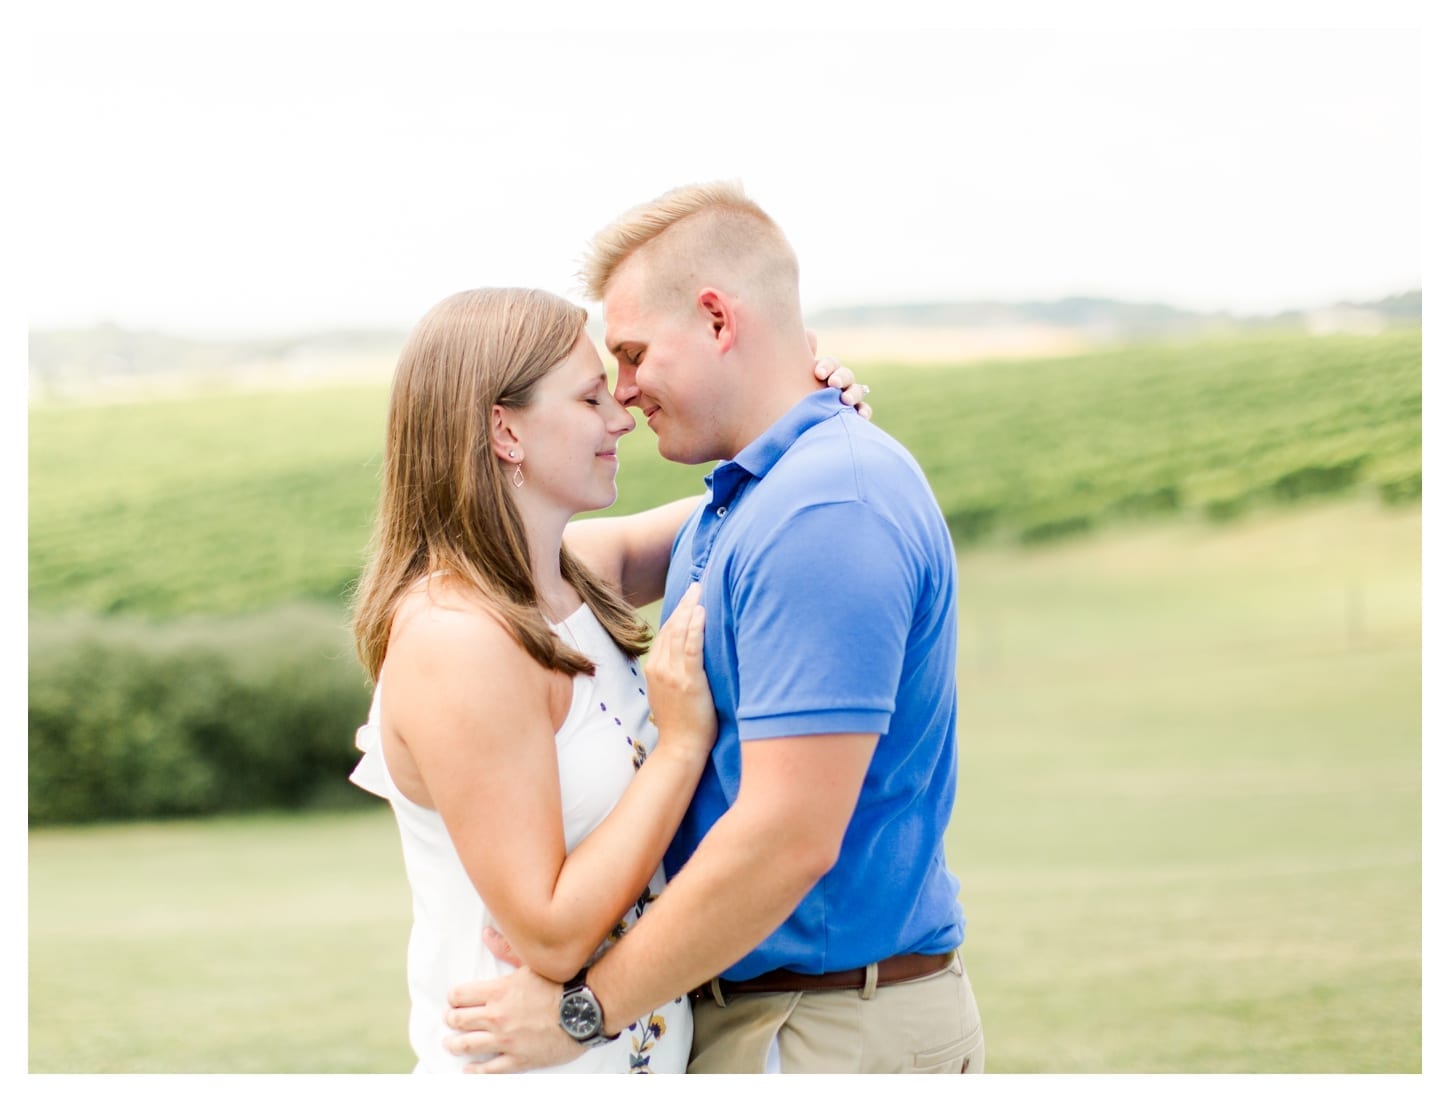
725 491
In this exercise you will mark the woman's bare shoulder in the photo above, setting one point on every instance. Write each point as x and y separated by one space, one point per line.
446 623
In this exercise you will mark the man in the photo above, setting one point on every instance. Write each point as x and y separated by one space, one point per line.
809 910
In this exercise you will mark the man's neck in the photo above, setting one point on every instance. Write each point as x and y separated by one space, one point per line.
777 383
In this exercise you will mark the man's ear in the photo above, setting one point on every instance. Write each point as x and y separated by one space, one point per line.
501 434
719 311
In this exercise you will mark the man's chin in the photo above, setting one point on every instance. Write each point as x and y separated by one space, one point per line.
679 451
666 447
676 454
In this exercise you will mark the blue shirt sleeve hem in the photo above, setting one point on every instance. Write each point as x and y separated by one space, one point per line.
830 722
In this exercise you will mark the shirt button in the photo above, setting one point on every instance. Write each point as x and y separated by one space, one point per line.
720 512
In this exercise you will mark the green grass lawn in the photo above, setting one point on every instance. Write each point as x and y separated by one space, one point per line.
1189 826
1188 836
266 944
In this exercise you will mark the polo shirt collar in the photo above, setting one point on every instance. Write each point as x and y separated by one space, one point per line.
762 453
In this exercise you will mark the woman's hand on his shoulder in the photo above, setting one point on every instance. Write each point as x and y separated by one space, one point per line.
679 693
832 372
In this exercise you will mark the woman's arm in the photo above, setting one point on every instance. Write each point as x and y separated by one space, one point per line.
468 712
632 552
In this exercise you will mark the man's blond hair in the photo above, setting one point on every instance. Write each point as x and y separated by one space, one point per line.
699 233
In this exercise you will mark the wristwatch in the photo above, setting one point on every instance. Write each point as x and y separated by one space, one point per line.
580 1014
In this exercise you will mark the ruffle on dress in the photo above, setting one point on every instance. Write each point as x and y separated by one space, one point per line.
370 774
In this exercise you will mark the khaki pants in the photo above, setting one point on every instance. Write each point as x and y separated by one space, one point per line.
927 1025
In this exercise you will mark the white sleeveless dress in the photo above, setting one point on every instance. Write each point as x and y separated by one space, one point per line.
603 741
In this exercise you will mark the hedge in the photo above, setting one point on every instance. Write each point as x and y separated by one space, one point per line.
130 719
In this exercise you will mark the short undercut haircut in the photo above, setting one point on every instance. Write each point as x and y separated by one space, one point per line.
700 233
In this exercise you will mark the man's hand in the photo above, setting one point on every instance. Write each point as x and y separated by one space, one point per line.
511 1024
500 946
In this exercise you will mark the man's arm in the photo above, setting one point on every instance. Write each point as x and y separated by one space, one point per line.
753 868
755 865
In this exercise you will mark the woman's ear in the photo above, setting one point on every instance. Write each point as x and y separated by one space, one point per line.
505 444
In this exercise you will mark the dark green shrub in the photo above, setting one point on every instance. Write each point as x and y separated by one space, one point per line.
1401 491
971 525
1313 479
1049 530
1227 508
111 738
134 720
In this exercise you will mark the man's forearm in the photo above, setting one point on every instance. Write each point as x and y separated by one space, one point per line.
782 834
741 884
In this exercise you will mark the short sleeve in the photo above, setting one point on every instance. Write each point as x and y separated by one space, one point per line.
821 615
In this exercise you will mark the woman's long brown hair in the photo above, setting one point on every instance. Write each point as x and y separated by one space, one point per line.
444 504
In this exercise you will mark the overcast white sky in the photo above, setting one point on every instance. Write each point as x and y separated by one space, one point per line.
268 180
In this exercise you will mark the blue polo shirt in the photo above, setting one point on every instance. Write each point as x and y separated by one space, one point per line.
829 584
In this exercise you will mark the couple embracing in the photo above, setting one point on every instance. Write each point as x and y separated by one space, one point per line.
729 857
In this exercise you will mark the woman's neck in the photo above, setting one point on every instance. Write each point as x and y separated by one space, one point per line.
545 536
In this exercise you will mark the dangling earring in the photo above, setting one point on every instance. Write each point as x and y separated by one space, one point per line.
518 476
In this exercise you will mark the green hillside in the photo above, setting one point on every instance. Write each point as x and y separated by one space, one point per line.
1054 447
228 504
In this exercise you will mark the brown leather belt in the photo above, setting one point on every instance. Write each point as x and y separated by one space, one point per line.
908 966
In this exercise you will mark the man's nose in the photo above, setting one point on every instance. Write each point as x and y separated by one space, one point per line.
626 392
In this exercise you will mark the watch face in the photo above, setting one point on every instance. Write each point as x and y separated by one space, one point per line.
579 1015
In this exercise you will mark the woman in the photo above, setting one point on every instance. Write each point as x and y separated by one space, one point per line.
535 784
